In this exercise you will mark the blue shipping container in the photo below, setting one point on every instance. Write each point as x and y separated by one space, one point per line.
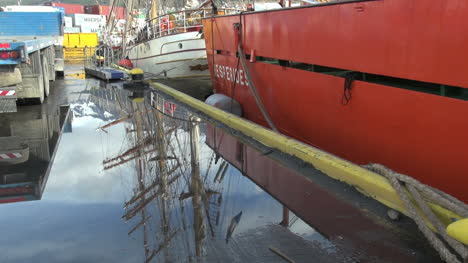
30 24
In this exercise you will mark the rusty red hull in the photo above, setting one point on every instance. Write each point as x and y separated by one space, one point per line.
415 133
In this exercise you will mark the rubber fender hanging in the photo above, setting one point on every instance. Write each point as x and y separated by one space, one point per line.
225 103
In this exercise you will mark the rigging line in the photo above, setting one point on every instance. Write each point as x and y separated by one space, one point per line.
184 225
212 45
110 13
252 87
150 122
102 146
184 171
118 99
210 162
233 90
184 158
226 201
217 146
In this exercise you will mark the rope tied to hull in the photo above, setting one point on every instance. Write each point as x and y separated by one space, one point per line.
239 27
410 189
233 90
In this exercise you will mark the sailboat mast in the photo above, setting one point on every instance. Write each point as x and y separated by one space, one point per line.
128 24
154 9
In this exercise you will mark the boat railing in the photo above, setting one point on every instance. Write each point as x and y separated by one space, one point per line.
101 56
181 22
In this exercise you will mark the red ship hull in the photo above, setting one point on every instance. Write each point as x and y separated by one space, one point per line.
416 133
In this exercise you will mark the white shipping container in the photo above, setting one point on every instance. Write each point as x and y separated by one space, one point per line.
86 19
91 28
71 30
68 22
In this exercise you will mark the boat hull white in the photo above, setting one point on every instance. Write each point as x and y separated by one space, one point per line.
173 56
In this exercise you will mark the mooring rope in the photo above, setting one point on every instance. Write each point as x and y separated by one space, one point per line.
411 189
252 87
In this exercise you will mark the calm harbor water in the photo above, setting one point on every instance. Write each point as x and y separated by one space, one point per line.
143 188
121 173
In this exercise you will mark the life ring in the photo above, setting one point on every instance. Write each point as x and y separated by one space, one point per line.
167 23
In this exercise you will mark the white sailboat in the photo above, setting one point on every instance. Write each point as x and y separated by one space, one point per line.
172 45
175 55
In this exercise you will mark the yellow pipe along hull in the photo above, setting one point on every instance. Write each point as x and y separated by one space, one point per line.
367 182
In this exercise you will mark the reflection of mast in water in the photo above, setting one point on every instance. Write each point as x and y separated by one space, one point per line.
162 180
161 145
196 189
160 158
137 152
141 185
196 186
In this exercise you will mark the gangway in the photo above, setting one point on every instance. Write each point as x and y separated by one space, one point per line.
100 63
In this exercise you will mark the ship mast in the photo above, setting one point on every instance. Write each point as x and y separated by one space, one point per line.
154 10
128 23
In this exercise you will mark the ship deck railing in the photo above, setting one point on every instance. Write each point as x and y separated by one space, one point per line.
100 56
181 21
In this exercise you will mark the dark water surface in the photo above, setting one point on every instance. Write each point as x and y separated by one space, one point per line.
186 203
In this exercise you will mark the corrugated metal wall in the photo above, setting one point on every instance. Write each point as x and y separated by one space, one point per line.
30 24
74 40
74 45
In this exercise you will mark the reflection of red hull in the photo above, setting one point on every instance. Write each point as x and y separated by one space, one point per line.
416 133
352 229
